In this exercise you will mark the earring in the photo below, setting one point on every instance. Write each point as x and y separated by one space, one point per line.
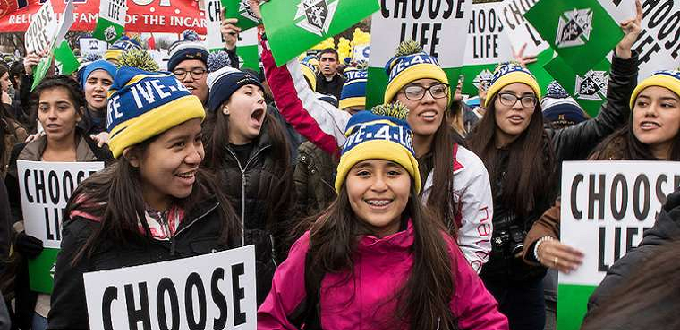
225 111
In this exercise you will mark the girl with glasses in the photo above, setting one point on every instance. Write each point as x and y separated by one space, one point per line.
523 159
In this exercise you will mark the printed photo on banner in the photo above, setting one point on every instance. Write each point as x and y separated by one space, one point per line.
45 189
211 291
438 26
606 207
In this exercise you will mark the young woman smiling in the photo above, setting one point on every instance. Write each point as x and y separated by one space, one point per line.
524 157
59 104
248 152
456 184
375 259
154 204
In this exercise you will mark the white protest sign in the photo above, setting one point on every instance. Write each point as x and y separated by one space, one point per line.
659 43
92 46
65 23
213 11
440 26
211 291
45 189
606 206
519 30
43 29
486 41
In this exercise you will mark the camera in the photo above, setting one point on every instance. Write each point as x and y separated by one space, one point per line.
508 238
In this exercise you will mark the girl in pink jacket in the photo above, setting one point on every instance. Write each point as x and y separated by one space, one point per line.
375 259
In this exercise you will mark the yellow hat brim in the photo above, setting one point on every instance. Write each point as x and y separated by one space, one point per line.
154 122
511 78
413 73
660 80
378 149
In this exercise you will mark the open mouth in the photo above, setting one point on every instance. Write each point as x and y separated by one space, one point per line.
516 119
187 177
649 125
257 115
429 115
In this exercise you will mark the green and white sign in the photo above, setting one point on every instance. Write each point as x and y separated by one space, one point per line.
580 31
295 26
606 206
50 38
487 45
247 50
45 189
241 9
589 89
65 61
440 29
111 20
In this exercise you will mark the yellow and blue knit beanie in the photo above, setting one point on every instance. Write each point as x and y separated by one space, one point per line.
409 64
510 73
354 90
121 46
669 79
143 104
381 133
310 68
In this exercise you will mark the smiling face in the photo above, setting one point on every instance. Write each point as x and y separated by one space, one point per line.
96 86
196 83
246 110
656 119
168 166
426 114
512 120
57 114
378 192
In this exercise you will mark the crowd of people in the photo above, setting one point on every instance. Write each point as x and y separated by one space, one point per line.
420 213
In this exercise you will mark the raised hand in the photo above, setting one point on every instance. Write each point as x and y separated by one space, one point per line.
631 29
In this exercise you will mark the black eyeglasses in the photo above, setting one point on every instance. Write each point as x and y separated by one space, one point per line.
509 99
196 73
416 92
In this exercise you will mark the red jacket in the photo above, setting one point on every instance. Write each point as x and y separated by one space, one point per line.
366 301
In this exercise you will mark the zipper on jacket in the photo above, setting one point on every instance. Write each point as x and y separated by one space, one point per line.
243 189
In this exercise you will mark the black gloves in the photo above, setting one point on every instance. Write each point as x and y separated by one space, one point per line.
29 246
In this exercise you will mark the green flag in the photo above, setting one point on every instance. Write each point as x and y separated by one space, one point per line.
111 21
41 270
589 89
580 31
240 9
65 60
40 71
294 26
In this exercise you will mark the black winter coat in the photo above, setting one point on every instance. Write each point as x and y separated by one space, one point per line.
570 143
199 233
258 194
665 230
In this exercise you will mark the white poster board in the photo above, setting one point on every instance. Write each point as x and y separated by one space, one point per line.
45 189
43 29
92 46
487 43
211 291
440 26
213 13
519 30
606 206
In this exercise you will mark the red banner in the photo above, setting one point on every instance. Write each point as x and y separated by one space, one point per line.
142 16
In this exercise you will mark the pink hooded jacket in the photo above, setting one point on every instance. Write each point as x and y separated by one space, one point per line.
366 301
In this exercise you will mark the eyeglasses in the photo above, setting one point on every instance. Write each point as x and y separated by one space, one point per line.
196 73
417 92
509 99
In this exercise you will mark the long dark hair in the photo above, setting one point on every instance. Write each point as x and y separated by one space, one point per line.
216 138
530 170
117 187
424 300
623 145
440 202
648 298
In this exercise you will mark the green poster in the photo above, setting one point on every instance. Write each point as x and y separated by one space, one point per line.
240 9
40 71
65 60
41 271
589 89
294 26
580 31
